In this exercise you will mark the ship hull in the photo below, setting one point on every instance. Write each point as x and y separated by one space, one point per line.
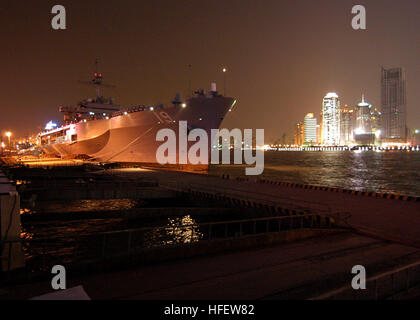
131 137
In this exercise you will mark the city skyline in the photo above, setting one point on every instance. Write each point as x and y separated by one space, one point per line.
362 124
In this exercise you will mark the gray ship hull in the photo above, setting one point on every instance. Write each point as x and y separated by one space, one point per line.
131 137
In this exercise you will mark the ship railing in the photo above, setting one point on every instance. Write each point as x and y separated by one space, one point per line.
136 109
128 110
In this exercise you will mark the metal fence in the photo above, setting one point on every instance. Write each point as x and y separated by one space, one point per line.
42 253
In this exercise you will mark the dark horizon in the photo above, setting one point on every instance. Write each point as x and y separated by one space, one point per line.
282 57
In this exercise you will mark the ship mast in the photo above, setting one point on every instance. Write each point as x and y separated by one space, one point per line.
97 81
97 78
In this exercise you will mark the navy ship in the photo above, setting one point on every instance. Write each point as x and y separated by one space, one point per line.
99 130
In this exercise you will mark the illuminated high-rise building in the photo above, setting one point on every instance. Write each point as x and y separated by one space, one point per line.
310 129
376 121
415 137
394 109
318 134
299 134
331 120
346 125
363 120
363 134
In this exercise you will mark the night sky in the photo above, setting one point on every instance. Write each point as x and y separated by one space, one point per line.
283 56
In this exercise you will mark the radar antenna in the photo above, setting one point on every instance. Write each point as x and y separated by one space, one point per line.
97 80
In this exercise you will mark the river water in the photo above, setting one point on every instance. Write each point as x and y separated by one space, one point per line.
382 172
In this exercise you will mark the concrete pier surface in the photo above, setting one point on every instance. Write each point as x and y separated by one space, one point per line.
390 219
300 270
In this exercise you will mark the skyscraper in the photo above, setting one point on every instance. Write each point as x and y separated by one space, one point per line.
394 108
346 125
376 120
363 121
331 120
299 134
363 133
318 134
310 129
415 137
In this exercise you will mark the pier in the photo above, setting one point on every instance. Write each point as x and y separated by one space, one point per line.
263 240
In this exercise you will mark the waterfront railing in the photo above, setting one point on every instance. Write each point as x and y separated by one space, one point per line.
42 253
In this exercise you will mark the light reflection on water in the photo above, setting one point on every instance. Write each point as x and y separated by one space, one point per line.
86 205
26 211
179 230
384 172
70 241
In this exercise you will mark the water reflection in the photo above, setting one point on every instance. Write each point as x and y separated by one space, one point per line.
26 235
81 206
26 211
383 172
22 182
180 230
